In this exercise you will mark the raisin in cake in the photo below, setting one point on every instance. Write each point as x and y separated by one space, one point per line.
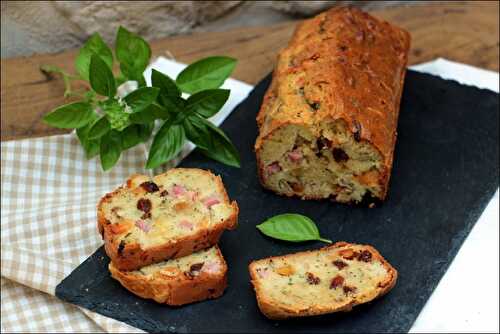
327 124
199 276
327 280
171 215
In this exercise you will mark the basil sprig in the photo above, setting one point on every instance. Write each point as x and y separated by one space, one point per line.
108 124
291 227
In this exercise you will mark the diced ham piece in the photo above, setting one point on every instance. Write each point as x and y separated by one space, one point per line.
186 224
262 272
178 190
144 226
212 267
192 195
210 200
273 168
295 155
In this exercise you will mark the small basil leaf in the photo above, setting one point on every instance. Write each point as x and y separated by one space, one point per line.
172 103
110 149
99 128
167 143
165 83
207 73
133 53
148 115
94 46
217 145
101 77
70 116
115 112
207 102
135 134
291 227
90 146
141 98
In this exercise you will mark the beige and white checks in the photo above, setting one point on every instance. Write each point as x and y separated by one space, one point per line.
49 196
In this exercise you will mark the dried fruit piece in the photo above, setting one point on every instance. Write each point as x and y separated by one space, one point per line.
336 282
339 155
150 187
348 254
340 264
144 204
311 279
348 289
365 256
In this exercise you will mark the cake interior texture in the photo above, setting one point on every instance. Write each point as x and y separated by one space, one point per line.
320 165
170 206
205 261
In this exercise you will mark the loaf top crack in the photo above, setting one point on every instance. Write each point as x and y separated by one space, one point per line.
172 215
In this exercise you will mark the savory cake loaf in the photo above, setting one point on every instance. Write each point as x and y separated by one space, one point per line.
331 279
327 124
168 216
199 276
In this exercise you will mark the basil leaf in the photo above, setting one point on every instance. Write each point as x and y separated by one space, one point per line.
291 227
70 116
135 134
216 145
207 73
101 77
207 102
117 116
141 98
172 103
165 83
197 133
99 128
133 53
149 114
90 146
110 149
167 143
94 46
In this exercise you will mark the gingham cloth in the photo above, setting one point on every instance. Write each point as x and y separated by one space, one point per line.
48 221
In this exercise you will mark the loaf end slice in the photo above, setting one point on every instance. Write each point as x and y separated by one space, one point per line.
171 215
331 279
327 124
196 277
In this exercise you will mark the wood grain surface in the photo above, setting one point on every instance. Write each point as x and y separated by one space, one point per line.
462 31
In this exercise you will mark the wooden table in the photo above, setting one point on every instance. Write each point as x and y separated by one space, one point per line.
466 32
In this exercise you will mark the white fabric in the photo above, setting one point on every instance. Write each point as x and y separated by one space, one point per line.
467 297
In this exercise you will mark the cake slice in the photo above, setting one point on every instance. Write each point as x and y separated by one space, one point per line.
199 276
171 215
327 280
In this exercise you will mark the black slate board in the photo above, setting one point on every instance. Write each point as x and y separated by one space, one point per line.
445 171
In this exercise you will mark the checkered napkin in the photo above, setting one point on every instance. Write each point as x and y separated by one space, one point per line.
48 221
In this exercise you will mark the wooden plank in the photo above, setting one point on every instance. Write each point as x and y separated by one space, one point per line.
466 32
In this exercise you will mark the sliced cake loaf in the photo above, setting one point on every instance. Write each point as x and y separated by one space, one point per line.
199 276
169 216
327 124
327 280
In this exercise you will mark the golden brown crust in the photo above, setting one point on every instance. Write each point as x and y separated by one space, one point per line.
131 256
359 62
276 311
177 290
